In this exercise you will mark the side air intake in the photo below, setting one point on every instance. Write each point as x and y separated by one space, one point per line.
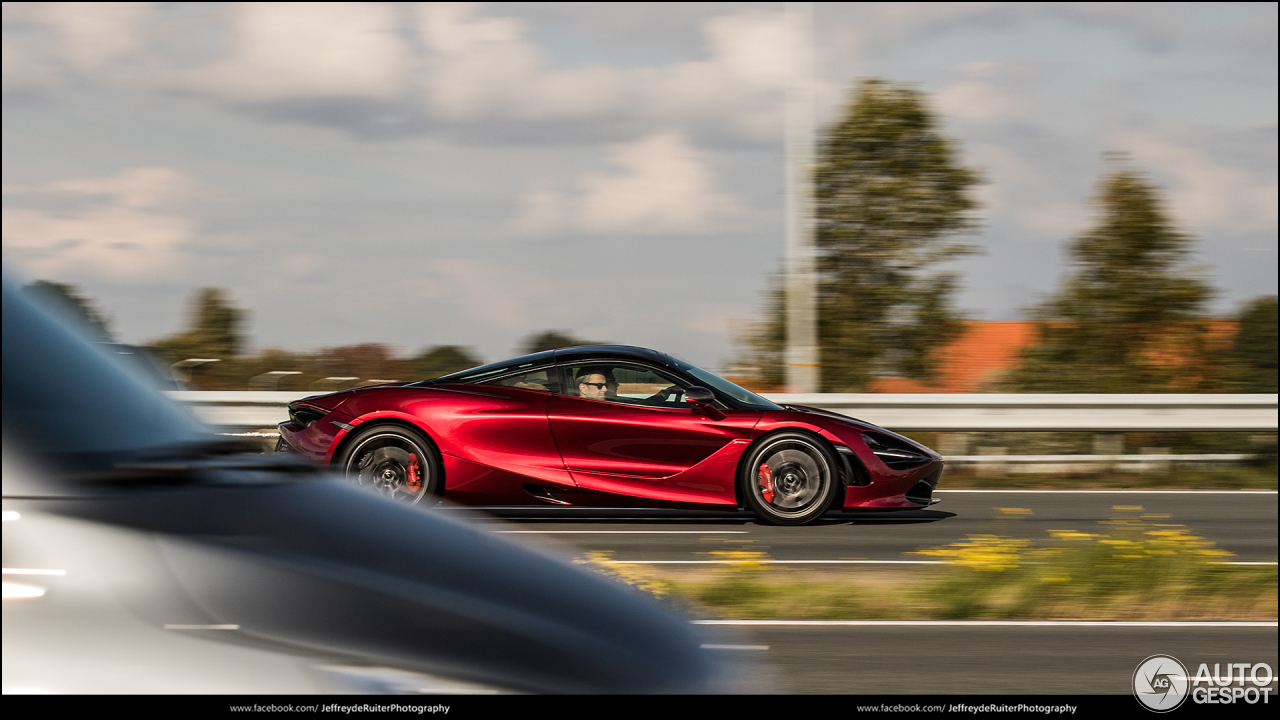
894 453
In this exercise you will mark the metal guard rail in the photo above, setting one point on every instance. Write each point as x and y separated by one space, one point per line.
904 412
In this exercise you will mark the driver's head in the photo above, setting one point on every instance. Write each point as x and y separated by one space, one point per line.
595 383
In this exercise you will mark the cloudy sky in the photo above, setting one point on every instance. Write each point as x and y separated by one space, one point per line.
471 174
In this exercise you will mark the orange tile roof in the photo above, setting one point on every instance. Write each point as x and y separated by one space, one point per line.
972 362
985 352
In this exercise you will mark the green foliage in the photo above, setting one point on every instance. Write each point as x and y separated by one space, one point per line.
1129 318
761 345
552 340
215 329
66 303
1253 355
442 360
891 200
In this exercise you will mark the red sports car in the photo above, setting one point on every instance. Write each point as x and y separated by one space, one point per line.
608 426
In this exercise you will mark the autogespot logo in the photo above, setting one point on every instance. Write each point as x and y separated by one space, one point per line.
1160 683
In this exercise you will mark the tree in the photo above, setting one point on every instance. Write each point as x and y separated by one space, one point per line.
552 340
1253 352
891 200
1129 317
66 303
444 359
214 329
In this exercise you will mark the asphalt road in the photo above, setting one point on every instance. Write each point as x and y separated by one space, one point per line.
1241 522
986 659
914 659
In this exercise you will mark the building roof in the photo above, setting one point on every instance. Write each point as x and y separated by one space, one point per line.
972 362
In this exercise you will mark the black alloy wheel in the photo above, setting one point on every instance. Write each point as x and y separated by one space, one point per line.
396 462
789 479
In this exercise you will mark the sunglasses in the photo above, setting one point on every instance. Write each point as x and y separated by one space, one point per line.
598 386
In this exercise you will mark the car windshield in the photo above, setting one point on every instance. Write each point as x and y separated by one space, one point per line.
62 396
742 396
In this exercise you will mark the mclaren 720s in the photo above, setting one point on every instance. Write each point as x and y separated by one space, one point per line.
608 426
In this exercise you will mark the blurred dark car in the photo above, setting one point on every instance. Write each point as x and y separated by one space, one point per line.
145 554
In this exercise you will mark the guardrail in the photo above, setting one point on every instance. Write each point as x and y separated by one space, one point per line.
905 412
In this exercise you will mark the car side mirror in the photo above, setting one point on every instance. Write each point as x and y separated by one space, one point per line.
699 395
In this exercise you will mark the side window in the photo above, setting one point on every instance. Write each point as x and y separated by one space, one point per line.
624 383
541 380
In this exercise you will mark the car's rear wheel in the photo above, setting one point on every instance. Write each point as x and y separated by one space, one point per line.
789 479
396 462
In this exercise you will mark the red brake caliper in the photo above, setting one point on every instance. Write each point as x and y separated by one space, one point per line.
415 480
765 477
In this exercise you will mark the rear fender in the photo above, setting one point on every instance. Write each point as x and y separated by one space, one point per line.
392 418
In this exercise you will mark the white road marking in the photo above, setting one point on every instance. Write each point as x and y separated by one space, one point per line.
776 562
995 623
625 532
771 561
1122 492
201 627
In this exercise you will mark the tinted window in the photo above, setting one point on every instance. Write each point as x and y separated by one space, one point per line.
541 380
624 383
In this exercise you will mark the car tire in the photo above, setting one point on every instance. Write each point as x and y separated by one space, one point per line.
789 478
397 462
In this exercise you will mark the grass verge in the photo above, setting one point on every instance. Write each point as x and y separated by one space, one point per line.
1135 571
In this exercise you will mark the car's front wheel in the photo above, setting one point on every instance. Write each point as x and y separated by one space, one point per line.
789 479
395 461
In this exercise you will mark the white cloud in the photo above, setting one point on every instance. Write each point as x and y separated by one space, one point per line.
1206 195
482 66
94 34
509 300
23 71
665 186
128 230
43 40
1022 189
299 50
146 187
980 97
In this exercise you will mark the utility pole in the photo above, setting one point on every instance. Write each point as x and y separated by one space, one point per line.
801 355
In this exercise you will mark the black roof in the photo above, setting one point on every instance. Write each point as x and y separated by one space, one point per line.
611 352
547 357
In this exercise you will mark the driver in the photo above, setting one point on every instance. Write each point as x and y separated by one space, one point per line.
597 384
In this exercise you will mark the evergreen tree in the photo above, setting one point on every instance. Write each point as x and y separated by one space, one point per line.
214 329
1129 317
891 201
1253 352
